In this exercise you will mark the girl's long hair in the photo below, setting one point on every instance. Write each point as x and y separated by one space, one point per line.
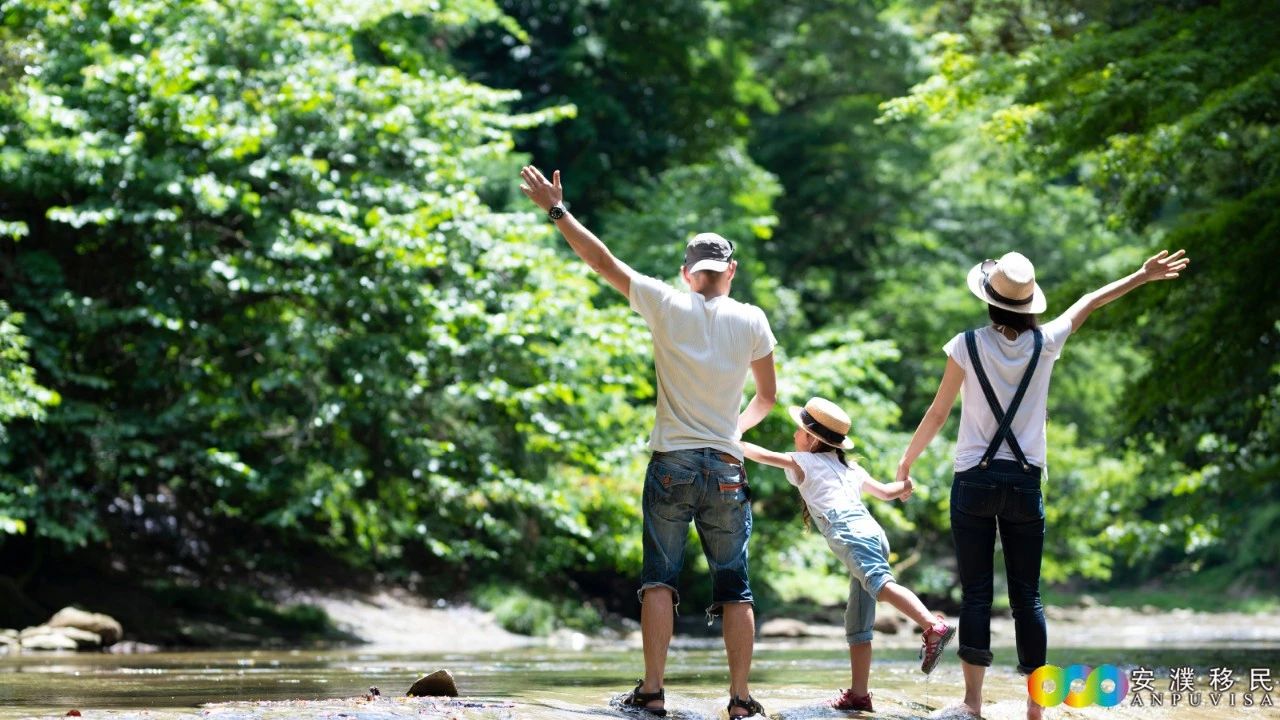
805 515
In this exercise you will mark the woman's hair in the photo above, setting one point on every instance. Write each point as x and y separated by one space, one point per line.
1020 322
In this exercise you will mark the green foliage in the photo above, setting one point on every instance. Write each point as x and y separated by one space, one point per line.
20 397
260 276
1141 105
264 293
519 612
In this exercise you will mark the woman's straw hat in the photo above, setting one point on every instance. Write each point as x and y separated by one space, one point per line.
1008 283
824 420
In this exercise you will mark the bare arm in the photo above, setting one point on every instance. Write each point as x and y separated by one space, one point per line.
1161 266
546 193
884 491
934 417
769 457
766 394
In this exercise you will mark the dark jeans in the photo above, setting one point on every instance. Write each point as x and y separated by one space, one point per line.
1001 497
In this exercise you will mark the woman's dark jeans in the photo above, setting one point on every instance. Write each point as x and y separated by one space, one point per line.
1001 497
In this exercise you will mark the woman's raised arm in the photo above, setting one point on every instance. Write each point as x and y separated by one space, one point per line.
1161 266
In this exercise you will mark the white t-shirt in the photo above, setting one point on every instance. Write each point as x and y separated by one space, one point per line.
1005 361
702 350
827 485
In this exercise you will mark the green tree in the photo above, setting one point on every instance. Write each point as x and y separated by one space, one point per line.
259 272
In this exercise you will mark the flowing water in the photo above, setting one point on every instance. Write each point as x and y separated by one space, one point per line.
791 679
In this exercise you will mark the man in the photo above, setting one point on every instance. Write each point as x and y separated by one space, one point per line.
703 344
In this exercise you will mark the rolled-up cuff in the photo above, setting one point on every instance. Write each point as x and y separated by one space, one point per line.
716 609
876 581
859 638
974 656
675 594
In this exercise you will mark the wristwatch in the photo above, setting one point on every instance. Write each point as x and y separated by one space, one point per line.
556 212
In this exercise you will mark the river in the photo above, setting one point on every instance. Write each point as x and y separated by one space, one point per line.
791 679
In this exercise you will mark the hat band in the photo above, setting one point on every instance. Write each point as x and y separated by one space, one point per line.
986 285
824 434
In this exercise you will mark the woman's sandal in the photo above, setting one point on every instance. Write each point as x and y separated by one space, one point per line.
636 700
752 707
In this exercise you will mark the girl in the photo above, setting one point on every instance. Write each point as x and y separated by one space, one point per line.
831 488
1004 371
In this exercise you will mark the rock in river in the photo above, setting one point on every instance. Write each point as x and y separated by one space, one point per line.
104 626
439 682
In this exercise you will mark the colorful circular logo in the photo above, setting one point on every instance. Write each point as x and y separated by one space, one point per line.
1078 686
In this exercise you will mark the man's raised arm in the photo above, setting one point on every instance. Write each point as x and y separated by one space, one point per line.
549 195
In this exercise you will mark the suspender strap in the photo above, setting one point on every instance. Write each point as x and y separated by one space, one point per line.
1005 430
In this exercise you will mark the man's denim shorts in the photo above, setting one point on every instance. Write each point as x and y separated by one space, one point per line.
709 488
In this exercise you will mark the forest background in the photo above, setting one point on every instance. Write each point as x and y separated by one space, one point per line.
273 312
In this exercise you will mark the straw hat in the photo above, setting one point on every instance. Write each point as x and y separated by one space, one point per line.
1008 283
824 420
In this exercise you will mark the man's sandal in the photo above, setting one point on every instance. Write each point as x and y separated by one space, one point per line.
636 700
752 707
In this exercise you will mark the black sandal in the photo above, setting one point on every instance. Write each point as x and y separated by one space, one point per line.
639 700
752 707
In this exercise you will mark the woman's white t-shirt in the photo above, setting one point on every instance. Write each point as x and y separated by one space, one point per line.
828 484
1005 361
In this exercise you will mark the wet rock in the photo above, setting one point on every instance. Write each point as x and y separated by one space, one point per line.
888 624
784 627
105 626
84 639
439 683
49 641
34 631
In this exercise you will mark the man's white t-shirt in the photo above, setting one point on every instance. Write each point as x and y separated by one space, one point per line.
702 350
1005 361
828 484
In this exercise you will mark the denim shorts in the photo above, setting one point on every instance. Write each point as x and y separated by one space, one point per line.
701 487
860 543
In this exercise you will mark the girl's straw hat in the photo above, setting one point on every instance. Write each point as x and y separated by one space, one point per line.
1008 283
824 420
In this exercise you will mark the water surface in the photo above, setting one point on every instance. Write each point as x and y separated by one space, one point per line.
790 679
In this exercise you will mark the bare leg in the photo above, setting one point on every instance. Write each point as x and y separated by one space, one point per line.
973 677
908 604
1034 710
739 641
860 663
657 618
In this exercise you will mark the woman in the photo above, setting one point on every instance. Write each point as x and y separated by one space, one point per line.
1004 370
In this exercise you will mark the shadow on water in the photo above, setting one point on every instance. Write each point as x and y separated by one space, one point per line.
792 683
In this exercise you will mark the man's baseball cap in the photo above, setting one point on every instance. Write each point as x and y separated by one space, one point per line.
707 251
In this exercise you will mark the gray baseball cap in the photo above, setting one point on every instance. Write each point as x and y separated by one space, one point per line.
707 251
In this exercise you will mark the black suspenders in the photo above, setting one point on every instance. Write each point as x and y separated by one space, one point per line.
1005 431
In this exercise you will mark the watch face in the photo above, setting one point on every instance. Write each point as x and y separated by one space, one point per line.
556 212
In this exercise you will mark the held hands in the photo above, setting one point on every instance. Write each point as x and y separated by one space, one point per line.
543 192
1163 266
908 487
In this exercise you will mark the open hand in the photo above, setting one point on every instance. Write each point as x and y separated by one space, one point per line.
1163 266
543 192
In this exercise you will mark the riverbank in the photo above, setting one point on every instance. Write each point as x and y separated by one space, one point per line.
396 622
